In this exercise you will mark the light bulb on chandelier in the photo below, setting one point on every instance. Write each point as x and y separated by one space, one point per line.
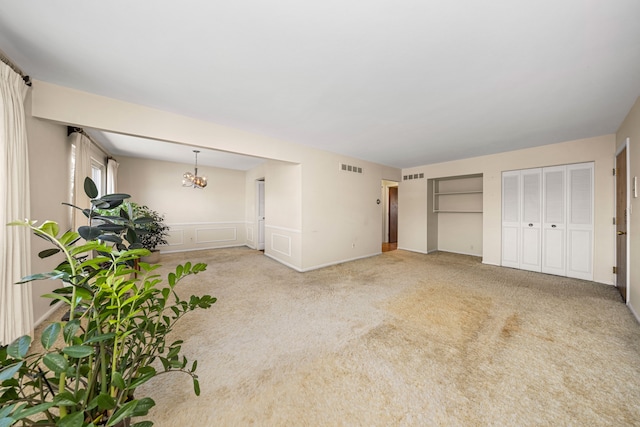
192 179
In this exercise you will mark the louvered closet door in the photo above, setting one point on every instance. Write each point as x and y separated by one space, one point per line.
530 237
554 220
580 221
510 219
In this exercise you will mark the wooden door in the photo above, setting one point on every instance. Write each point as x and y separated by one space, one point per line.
393 214
621 223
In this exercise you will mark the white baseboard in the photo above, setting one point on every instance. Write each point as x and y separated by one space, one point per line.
634 312
316 267
48 314
414 250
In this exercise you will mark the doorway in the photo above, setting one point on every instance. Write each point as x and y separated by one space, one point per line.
622 200
390 216
260 213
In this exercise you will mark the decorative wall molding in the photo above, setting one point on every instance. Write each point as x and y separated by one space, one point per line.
281 244
188 224
290 230
175 234
216 234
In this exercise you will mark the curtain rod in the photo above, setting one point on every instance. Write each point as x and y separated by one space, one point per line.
72 129
4 58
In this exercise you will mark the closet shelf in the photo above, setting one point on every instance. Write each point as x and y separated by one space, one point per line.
444 193
454 211
460 194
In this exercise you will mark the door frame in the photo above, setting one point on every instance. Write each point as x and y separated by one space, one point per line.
383 202
625 145
260 219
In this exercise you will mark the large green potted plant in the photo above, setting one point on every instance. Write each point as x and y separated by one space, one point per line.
152 233
137 225
115 339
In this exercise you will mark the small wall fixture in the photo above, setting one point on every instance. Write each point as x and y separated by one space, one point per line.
192 179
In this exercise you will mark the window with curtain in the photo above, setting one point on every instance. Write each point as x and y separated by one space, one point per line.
16 310
98 176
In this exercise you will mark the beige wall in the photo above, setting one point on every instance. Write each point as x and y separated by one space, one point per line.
630 128
49 155
600 150
335 216
198 219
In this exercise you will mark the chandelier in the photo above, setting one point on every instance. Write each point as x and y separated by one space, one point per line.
192 179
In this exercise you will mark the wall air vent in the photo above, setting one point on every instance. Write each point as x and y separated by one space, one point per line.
350 168
413 176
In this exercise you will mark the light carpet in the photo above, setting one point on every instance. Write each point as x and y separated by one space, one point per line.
400 339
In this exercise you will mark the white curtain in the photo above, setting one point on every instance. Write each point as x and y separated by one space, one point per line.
112 176
16 310
81 170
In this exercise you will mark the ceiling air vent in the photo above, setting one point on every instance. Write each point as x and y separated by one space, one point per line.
413 176
350 168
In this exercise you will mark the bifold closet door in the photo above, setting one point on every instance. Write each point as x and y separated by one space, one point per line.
547 220
580 221
530 228
511 219
554 200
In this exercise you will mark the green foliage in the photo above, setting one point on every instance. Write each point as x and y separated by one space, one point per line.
119 319
137 223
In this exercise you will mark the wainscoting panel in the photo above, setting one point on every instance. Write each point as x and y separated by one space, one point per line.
216 235
281 244
250 241
284 245
204 235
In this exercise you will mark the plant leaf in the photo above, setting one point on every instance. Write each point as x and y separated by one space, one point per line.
125 411
115 228
90 188
19 347
56 362
39 276
117 380
143 406
131 236
115 196
141 424
89 233
50 335
110 238
72 420
196 386
65 398
105 402
32 410
50 228
78 351
9 372
70 329
48 252
6 410
99 338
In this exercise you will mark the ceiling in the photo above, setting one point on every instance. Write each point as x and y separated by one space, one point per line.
131 146
401 83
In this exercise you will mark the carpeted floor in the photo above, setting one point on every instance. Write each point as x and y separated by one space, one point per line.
400 339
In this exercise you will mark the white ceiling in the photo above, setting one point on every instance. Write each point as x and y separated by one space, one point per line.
402 82
131 146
